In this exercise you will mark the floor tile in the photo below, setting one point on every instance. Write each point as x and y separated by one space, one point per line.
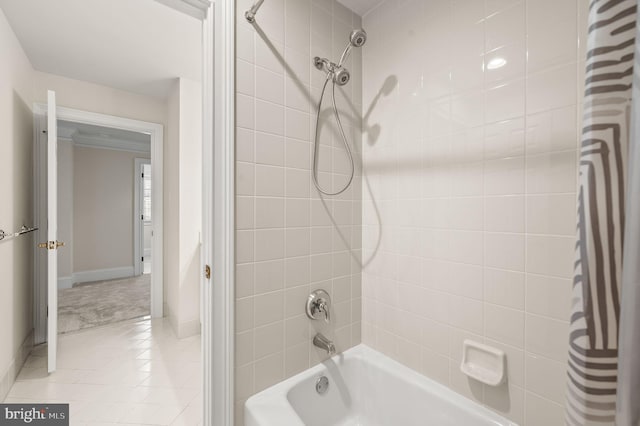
127 373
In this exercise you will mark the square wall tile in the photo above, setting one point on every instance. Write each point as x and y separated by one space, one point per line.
552 88
269 117
549 255
549 296
552 173
541 411
547 337
506 26
505 102
504 214
553 214
505 251
546 377
505 288
504 325
552 130
552 39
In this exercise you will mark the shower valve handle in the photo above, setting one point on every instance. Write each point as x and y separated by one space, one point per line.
319 306
324 307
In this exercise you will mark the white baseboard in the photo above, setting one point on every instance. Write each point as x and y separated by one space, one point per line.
101 275
8 378
65 282
189 328
182 329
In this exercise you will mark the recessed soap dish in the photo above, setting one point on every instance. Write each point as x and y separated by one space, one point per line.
483 363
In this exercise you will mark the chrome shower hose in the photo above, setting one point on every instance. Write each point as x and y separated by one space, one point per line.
316 147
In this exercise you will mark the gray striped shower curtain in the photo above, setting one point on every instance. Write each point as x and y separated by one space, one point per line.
603 341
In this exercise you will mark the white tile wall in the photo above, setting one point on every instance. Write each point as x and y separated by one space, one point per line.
289 240
469 190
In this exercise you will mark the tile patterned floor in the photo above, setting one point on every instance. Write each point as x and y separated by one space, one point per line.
135 373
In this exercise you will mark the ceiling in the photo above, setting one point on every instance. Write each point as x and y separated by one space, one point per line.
361 7
138 46
103 137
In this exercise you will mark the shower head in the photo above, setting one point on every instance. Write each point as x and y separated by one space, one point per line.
342 77
358 38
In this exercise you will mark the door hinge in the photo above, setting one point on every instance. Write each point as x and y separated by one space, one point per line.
142 259
207 272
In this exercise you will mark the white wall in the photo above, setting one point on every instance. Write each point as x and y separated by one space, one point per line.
190 205
183 206
171 208
16 209
469 219
92 97
103 191
95 213
289 240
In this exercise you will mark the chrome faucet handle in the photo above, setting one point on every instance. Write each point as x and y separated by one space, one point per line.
319 305
324 307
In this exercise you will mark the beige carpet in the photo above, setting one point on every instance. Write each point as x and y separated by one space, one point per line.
103 302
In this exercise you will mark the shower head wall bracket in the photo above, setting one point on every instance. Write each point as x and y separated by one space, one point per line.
250 15
340 75
323 64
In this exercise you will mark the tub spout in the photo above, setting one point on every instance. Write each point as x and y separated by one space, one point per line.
322 342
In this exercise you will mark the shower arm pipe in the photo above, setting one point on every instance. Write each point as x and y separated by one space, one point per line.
250 15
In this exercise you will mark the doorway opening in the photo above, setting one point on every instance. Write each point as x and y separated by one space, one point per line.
105 225
101 206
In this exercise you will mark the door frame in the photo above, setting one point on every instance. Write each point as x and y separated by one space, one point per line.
156 133
218 227
138 230
51 201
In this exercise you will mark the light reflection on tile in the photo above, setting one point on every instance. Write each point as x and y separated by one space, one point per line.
131 372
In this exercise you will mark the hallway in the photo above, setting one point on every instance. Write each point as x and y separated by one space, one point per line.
128 373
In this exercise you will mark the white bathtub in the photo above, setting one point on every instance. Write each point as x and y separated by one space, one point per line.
366 388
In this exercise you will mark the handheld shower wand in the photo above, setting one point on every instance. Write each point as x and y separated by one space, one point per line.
357 39
340 76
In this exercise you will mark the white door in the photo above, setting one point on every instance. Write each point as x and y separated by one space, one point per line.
52 231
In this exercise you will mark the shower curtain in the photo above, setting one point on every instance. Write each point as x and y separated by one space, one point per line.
628 403
604 346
